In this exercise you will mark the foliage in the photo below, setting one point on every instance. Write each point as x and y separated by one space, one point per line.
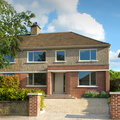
94 94
10 94
114 80
7 81
12 24
114 75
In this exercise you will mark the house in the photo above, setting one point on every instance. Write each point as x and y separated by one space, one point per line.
119 55
61 63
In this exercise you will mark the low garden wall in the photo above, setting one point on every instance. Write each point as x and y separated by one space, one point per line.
14 108
22 108
115 105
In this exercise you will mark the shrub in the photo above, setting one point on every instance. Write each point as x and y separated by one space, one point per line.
7 81
94 94
10 94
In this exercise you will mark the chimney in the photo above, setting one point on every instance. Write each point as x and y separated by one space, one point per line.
35 29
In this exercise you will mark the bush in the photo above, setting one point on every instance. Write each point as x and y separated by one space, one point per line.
11 94
7 81
94 94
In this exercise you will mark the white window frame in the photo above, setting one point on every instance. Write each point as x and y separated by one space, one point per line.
56 56
33 81
33 57
89 81
90 55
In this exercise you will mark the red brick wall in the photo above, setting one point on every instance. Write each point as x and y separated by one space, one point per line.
79 91
23 77
49 83
115 106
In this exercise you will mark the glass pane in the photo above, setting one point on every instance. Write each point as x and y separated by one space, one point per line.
39 56
93 54
60 55
30 79
40 79
30 56
10 58
85 55
93 78
84 78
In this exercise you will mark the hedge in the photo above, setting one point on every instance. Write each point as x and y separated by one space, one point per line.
93 94
7 81
15 94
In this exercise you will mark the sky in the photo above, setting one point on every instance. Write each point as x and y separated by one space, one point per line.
98 19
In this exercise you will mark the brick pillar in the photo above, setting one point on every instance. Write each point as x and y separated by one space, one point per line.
67 82
115 105
34 103
107 81
49 83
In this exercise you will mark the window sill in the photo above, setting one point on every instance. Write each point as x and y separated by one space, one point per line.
36 85
59 61
87 86
12 62
36 62
88 61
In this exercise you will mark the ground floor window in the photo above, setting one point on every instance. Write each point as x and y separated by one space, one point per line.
37 79
87 78
11 74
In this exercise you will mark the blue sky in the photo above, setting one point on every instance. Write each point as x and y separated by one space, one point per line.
98 19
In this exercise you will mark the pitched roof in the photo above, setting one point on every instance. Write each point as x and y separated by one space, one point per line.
59 40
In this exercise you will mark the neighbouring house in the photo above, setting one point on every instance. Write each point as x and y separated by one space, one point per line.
119 55
61 63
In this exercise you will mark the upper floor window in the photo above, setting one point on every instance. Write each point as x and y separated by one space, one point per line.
87 78
12 60
36 56
87 54
60 55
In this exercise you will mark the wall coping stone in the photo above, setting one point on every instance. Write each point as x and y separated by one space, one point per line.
34 93
115 93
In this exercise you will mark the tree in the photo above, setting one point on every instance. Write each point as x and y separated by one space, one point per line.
12 24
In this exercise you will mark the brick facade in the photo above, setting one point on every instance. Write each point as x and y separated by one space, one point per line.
115 105
78 92
71 79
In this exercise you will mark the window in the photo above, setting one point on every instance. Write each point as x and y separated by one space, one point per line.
36 56
37 79
87 54
60 55
8 74
87 78
10 59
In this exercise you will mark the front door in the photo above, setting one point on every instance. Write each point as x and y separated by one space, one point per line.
59 83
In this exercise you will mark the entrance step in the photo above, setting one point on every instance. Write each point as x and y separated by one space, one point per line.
59 96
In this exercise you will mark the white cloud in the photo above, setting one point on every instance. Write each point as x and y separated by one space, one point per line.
20 8
80 23
114 60
68 17
9 1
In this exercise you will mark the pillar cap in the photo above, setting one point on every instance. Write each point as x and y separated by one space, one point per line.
115 93
34 93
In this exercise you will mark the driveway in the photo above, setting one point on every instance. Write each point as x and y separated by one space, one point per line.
71 109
